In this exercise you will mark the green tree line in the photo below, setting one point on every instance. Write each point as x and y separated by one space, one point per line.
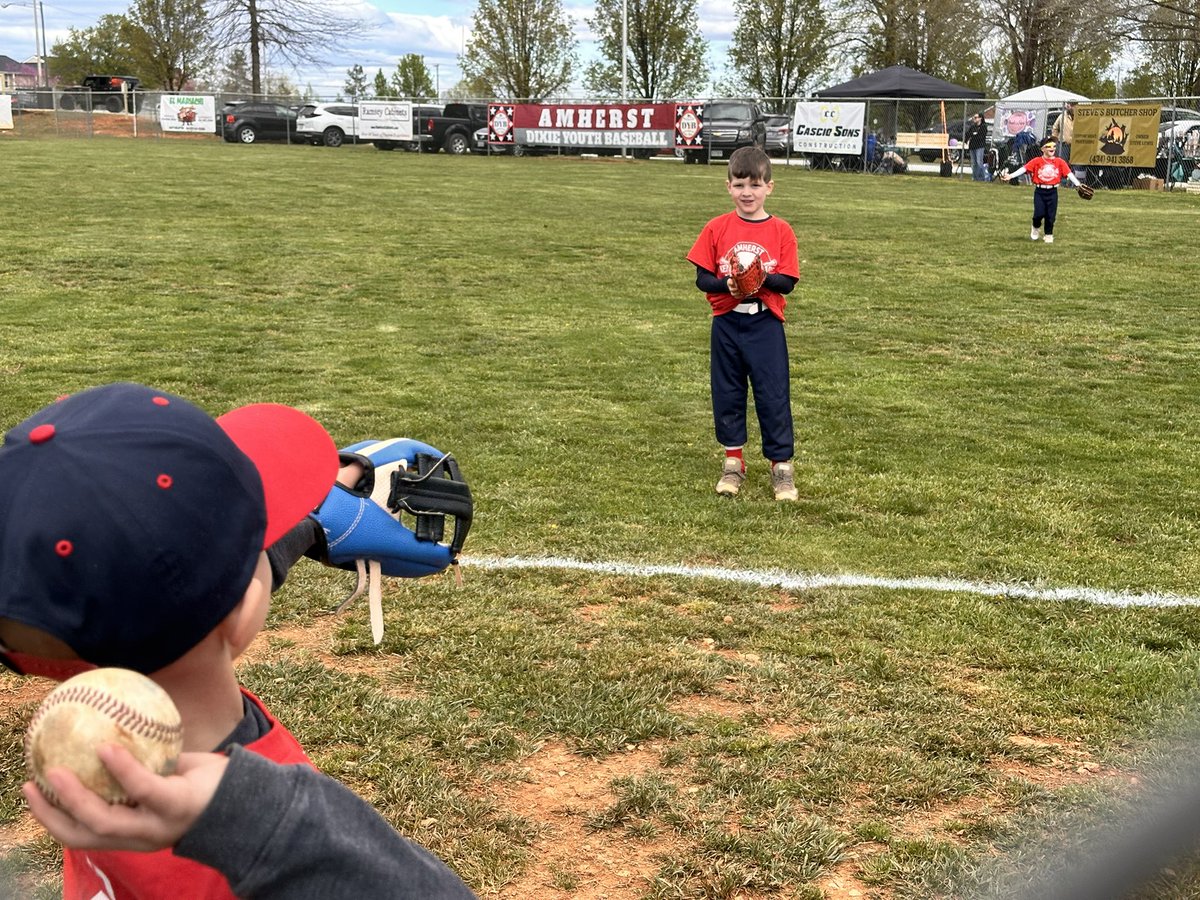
655 49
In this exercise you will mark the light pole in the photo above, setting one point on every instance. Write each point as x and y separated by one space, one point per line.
39 35
624 48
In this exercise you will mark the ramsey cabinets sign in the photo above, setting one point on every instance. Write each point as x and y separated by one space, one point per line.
1113 134
385 120
829 128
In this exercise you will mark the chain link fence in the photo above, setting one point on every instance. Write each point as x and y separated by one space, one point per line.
903 135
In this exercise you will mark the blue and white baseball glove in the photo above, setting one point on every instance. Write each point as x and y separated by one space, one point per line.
364 525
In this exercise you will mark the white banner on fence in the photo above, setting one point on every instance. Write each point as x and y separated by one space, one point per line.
828 127
385 119
6 122
187 113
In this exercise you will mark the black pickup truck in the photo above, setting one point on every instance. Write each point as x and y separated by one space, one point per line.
453 130
115 93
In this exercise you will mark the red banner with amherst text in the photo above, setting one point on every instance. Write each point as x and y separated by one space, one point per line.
599 127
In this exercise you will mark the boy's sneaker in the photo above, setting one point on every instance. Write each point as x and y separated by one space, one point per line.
732 476
1033 234
1049 239
783 481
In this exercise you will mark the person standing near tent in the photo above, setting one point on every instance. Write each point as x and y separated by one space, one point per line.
1046 171
977 134
1063 130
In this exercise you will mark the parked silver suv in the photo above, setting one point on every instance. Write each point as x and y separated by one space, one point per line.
327 123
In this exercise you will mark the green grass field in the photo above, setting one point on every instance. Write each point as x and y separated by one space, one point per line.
969 405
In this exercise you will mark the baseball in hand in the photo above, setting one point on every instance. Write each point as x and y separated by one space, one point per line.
103 706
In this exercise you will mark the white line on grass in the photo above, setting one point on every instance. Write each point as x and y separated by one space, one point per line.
809 581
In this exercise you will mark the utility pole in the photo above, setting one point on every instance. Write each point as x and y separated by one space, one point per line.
39 34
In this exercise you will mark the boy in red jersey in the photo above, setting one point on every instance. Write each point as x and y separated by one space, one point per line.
137 531
1046 171
747 346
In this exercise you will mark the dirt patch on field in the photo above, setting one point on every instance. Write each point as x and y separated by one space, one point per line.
581 851
62 123
559 790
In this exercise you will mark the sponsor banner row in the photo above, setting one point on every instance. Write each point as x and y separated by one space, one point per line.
377 119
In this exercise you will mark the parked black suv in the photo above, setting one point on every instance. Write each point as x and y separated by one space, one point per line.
728 125
245 123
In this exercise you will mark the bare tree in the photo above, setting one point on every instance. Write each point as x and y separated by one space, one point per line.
942 38
1169 34
666 51
299 31
778 45
520 49
1046 40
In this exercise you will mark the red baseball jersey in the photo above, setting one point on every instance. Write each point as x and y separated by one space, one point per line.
1047 172
771 240
125 875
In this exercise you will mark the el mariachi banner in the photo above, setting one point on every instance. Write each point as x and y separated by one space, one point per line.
604 126
1113 134
187 113
829 128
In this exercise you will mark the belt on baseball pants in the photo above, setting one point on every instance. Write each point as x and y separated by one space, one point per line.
749 307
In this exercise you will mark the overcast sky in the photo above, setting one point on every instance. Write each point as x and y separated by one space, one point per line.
436 30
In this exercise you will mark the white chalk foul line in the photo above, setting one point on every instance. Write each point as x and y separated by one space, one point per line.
802 581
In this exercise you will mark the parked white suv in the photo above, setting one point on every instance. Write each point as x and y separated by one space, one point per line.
327 123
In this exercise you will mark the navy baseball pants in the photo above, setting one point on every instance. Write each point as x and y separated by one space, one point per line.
1045 206
751 350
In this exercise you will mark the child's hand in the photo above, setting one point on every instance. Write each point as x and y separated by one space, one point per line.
165 807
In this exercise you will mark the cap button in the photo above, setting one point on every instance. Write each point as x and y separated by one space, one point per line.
41 434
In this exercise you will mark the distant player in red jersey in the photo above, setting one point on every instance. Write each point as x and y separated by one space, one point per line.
1046 171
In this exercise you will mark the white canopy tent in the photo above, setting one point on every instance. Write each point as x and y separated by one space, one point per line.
1044 93
1028 110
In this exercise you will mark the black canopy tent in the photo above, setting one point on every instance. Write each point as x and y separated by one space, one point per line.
899 82
925 96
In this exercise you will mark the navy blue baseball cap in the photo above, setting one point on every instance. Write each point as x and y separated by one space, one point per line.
131 521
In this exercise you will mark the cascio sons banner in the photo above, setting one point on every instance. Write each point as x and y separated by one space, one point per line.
829 128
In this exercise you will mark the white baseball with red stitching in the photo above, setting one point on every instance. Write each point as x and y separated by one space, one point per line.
103 706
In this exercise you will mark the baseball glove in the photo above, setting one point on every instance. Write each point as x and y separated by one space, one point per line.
1085 191
744 281
363 524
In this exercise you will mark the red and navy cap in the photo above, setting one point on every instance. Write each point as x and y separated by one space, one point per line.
131 521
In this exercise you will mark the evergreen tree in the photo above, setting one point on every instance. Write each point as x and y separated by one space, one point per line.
411 78
382 88
356 82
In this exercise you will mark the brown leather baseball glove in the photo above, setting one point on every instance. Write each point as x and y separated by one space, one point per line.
1085 191
744 281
